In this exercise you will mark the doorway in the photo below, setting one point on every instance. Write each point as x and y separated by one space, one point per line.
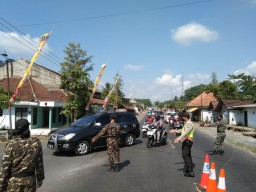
46 117
245 119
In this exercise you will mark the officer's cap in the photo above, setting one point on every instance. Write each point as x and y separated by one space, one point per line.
22 124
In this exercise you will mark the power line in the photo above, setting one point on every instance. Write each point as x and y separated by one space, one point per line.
31 39
28 46
117 14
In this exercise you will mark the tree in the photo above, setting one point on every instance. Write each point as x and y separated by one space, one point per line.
246 85
214 78
3 98
193 92
119 95
75 80
76 59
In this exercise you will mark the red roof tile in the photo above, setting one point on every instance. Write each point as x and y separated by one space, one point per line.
203 100
26 91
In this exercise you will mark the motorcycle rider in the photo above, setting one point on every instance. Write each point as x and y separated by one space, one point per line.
149 119
159 124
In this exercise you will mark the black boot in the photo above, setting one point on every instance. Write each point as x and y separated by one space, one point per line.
111 168
221 152
117 168
190 172
213 152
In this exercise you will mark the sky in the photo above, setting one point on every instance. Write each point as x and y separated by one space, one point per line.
159 47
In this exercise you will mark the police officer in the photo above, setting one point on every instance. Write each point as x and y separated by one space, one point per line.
221 134
22 165
186 137
113 132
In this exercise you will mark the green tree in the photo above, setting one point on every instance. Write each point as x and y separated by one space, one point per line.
246 85
214 78
193 92
119 95
3 98
76 59
75 81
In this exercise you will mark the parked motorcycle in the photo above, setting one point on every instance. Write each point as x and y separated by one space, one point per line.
153 136
144 130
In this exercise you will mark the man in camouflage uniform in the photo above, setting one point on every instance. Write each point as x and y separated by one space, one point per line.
221 128
113 132
22 165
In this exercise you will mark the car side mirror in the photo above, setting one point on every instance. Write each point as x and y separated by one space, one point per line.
97 124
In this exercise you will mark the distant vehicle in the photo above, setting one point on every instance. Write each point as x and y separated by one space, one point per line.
169 114
77 137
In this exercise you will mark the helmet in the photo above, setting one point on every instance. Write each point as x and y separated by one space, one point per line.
149 114
22 125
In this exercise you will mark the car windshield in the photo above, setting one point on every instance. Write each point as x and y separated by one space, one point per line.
171 114
86 120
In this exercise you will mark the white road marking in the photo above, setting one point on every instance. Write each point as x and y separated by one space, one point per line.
171 144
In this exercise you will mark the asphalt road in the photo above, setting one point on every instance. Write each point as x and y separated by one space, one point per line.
143 169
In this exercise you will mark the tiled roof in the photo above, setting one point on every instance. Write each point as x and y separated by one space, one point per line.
203 100
26 92
230 103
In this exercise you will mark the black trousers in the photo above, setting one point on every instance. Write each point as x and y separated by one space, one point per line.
186 152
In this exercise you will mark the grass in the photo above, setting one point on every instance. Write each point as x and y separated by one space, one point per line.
243 146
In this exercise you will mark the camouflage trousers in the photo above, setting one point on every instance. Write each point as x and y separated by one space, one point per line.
27 184
113 150
219 141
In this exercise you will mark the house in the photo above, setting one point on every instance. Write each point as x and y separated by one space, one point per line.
40 98
201 108
237 112
36 103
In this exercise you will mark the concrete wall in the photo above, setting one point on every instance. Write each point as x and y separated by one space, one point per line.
46 77
251 113
237 117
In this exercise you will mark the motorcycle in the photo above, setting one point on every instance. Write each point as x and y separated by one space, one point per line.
154 137
171 122
144 129
178 125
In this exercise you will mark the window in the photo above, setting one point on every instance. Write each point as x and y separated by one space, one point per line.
104 120
34 116
21 113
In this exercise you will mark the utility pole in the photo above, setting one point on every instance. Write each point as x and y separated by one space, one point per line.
8 89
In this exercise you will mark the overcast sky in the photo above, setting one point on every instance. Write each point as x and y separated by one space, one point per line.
154 44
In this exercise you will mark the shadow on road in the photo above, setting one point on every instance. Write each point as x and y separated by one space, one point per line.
122 165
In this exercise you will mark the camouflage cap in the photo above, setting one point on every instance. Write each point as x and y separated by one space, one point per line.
22 124
113 116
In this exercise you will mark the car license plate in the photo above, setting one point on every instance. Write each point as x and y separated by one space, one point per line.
51 146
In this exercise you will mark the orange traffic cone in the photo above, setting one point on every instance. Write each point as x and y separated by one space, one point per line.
212 183
206 173
222 183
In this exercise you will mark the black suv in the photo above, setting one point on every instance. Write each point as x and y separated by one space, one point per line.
78 136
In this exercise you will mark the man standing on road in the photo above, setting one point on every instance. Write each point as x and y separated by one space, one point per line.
113 132
221 134
22 166
187 135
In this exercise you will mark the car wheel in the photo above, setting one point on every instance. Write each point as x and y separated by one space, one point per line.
82 148
129 140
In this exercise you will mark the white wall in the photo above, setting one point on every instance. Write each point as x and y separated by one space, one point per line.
251 113
6 120
206 114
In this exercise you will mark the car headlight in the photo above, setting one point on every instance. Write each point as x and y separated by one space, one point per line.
68 136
